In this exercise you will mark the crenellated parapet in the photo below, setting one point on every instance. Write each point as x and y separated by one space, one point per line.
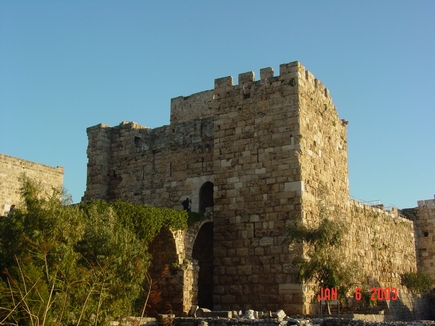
203 104
293 73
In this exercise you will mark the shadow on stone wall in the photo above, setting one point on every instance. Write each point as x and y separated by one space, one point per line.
411 307
407 307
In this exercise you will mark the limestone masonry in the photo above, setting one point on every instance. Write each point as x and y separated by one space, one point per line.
255 157
11 169
426 235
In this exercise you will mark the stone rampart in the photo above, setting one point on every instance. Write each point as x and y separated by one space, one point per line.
381 245
12 169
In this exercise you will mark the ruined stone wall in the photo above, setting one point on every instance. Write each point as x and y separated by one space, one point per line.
158 167
182 268
425 223
12 168
195 106
166 278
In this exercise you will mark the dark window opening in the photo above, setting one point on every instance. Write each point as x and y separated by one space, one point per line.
206 197
426 234
138 142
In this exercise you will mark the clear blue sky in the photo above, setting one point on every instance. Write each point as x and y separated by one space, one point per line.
68 65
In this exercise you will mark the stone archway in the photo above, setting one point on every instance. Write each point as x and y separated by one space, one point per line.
166 276
203 253
206 197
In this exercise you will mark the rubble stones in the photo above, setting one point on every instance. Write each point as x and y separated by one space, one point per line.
249 314
245 319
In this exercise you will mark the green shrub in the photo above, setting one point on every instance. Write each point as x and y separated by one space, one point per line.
83 264
417 282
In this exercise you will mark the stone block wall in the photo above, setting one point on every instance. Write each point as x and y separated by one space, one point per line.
382 245
425 232
195 106
382 242
323 147
257 190
159 167
12 169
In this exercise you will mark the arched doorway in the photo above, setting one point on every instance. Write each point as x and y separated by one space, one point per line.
203 253
206 197
167 280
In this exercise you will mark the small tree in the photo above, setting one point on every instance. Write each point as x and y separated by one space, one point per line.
417 283
321 263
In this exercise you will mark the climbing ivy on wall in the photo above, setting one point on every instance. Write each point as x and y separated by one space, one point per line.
145 221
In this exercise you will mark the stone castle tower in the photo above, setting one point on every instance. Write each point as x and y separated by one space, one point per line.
257 153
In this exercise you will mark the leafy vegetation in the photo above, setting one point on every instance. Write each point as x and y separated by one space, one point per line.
321 262
84 264
417 282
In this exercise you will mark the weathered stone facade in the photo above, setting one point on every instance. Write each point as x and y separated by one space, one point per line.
425 231
12 168
259 153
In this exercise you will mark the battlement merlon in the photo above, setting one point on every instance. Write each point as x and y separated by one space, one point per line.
293 72
200 105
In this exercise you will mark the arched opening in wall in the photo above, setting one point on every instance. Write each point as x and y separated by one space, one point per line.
206 197
203 253
167 289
